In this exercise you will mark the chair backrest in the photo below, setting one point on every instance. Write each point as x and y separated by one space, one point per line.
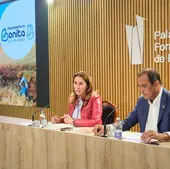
107 109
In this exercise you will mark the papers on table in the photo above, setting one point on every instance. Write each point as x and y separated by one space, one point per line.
58 126
14 120
24 123
132 136
70 128
135 137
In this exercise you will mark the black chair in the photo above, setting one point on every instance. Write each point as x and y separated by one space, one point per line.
107 109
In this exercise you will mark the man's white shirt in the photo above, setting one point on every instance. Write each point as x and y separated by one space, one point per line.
153 114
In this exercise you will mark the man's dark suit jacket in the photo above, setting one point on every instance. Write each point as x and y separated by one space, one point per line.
140 114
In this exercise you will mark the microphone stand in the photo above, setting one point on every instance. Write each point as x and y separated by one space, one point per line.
33 115
105 131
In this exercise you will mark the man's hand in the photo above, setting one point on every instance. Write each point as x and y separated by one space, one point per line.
98 130
150 134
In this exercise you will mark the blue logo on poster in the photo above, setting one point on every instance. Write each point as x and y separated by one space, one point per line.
18 34
4 35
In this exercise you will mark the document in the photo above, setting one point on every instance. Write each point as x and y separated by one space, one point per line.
58 126
135 137
132 136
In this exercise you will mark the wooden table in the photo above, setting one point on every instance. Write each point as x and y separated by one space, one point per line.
23 147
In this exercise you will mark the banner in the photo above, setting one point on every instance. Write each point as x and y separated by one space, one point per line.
18 53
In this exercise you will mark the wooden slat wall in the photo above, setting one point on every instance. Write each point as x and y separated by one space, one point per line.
90 35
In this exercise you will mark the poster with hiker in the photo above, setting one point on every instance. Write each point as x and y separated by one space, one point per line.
18 53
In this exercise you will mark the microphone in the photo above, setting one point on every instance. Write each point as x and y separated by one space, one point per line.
104 134
33 114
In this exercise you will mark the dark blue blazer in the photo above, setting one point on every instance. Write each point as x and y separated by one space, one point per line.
140 114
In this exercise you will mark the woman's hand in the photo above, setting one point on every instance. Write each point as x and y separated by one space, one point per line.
68 119
55 119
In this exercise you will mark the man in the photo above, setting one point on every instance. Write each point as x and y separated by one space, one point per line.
152 110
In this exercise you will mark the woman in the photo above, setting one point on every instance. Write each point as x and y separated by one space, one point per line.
85 105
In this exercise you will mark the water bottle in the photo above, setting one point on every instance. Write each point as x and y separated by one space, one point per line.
118 129
43 121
